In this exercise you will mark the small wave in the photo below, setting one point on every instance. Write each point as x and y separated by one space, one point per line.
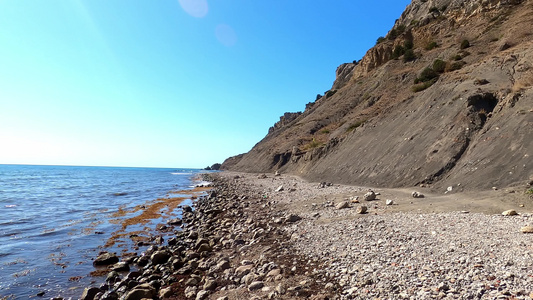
180 173
203 184
11 205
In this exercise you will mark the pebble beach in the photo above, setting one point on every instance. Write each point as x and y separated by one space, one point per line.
272 236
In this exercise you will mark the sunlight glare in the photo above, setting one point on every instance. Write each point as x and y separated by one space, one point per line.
195 8
226 35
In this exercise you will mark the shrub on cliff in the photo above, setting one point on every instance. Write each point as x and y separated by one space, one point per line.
439 66
431 45
465 44
398 51
409 55
427 74
452 66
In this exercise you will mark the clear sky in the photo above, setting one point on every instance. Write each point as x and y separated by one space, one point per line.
167 83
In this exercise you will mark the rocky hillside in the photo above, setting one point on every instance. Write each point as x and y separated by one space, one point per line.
445 99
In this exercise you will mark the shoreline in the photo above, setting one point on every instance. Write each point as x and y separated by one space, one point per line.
263 236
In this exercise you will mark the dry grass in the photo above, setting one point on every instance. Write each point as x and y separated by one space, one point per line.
523 83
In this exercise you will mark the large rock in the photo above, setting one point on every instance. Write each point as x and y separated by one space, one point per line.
121 267
106 258
527 229
361 209
510 212
255 285
417 195
160 257
342 205
292 218
89 293
369 196
141 292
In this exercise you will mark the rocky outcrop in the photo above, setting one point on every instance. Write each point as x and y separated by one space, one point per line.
343 74
470 123
374 58
284 120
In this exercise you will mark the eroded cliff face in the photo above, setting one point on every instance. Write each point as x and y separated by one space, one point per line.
466 122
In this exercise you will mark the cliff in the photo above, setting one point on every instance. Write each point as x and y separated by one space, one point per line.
445 99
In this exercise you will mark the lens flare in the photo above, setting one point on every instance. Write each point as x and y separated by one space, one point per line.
195 8
225 35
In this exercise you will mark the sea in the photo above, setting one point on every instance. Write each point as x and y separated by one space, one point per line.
54 220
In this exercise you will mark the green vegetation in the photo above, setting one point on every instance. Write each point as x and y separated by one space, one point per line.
355 125
465 44
439 66
424 85
324 131
434 10
398 51
428 74
330 93
530 191
409 55
452 66
313 144
426 79
431 45
406 50
408 44
380 40
396 32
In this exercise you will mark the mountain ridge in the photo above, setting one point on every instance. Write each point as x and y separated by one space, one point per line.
445 99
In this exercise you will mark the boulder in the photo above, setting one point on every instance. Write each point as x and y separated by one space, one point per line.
342 205
510 212
369 196
292 218
354 199
160 257
243 270
361 209
140 292
202 295
256 285
105 259
389 202
121 267
89 293
165 293
527 229
175 221
417 195
209 285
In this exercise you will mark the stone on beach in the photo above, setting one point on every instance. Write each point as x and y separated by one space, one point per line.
369 196
291 218
510 212
527 229
342 205
416 194
106 258
361 209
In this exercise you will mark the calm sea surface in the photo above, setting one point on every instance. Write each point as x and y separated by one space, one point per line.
55 219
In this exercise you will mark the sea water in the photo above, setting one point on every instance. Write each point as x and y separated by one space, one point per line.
55 219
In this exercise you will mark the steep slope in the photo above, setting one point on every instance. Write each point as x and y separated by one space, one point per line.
445 99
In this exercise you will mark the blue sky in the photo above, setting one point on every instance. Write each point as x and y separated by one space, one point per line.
167 83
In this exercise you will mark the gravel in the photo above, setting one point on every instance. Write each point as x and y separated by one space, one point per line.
388 254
